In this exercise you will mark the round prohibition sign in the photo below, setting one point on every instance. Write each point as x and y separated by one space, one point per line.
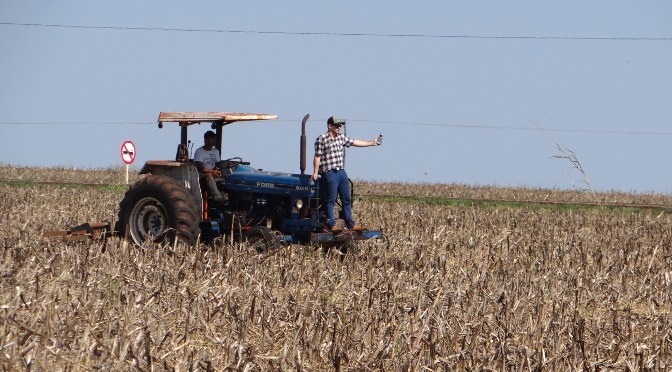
128 152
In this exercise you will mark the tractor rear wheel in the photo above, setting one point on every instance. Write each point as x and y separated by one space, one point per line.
262 239
160 208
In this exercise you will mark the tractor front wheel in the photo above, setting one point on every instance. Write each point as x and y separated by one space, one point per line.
262 239
159 208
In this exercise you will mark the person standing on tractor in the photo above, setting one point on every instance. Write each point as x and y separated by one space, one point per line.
206 159
329 167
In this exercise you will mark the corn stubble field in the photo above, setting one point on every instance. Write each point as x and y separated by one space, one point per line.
454 287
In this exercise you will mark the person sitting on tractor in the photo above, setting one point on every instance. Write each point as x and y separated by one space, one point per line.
206 159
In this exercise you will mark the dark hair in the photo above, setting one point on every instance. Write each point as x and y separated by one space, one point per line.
209 134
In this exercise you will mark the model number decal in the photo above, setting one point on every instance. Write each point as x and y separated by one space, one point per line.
272 186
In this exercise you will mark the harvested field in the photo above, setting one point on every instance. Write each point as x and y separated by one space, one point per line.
453 287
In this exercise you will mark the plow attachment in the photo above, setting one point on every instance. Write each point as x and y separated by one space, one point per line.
345 236
83 232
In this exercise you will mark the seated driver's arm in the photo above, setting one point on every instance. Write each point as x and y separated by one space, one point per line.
200 167
215 172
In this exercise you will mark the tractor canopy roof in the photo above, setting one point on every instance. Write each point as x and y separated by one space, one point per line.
218 120
221 118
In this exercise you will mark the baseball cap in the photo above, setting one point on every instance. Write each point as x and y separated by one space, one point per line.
335 121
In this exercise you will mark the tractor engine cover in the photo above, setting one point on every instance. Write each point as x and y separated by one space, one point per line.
270 183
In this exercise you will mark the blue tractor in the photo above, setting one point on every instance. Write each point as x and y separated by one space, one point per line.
266 209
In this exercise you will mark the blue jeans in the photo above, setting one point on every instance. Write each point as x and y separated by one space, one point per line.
336 183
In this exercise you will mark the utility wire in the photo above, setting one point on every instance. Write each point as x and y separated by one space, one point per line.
72 123
445 125
469 126
339 34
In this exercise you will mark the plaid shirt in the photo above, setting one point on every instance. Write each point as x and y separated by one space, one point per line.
330 151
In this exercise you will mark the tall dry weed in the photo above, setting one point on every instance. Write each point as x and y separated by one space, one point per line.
450 288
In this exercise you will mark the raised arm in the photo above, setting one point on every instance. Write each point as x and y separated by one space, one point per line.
362 143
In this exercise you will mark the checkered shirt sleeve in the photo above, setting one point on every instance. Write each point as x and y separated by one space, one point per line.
330 151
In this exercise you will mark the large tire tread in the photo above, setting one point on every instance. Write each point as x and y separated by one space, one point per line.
181 209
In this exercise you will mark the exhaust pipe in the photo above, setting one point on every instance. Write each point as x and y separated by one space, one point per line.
303 144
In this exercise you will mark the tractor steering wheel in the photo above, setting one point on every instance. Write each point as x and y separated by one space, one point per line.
229 163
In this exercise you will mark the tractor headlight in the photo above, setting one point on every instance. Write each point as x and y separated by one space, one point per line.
298 204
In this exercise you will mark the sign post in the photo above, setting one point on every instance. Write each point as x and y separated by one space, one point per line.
127 155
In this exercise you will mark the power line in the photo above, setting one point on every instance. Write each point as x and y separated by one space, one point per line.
338 34
471 126
72 123
445 125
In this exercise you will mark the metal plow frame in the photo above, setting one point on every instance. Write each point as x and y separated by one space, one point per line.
83 232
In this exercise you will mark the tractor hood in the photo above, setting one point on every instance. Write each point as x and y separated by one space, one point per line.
248 179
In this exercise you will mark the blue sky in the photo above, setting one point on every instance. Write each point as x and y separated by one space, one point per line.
462 99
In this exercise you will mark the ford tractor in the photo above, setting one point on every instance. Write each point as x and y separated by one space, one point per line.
265 209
